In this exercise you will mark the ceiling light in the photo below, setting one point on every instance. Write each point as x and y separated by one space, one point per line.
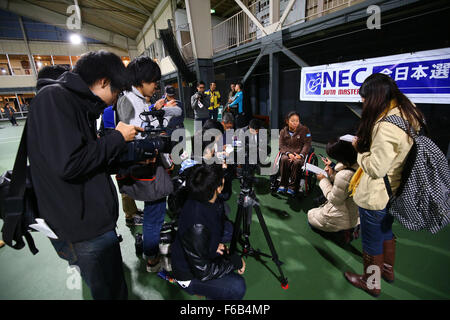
213 10
75 38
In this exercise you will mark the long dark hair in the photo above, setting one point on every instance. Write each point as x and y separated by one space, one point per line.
378 90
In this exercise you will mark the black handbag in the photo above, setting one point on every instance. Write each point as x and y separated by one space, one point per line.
18 207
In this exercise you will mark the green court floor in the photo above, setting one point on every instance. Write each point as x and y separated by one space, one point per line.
314 266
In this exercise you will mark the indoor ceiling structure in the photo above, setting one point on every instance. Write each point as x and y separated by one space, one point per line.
124 17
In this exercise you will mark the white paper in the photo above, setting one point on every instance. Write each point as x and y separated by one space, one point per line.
314 169
347 137
41 226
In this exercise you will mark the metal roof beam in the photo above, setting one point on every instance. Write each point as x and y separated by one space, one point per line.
139 9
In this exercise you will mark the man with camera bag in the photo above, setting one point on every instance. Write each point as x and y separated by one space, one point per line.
144 74
69 168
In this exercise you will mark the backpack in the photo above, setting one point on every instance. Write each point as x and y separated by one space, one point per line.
18 203
422 200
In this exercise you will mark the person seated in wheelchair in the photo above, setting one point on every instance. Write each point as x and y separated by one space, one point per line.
295 143
201 262
339 213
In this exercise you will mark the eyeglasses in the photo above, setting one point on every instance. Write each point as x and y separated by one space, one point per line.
201 87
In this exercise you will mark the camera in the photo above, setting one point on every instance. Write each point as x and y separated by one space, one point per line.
154 140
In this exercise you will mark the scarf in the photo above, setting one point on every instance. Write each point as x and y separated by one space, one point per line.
354 182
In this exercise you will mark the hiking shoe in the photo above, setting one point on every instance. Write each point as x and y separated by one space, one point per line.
137 220
291 192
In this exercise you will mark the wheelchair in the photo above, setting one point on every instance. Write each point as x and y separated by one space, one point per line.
307 179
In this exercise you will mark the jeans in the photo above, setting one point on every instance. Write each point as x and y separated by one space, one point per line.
154 212
229 287
376 227
100 263
213 113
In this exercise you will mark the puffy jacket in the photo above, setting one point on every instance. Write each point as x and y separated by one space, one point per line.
340 211
194 256
388 151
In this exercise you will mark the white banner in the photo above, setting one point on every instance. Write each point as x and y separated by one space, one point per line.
422 76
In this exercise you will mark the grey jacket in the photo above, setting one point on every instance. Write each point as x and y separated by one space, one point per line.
200 106
132 103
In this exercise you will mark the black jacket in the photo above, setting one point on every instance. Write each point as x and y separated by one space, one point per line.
200 229
75 195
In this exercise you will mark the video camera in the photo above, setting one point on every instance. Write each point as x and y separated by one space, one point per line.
155 140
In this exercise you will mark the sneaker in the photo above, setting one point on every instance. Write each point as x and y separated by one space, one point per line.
137 220
281 190
156 267
166 265
291 192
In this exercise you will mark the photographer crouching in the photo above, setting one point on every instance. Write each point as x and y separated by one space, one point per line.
148 179
69 167
201 262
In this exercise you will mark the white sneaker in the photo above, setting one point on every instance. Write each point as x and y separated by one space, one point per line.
166 265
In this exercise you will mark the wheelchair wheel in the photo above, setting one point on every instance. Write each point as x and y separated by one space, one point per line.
310 178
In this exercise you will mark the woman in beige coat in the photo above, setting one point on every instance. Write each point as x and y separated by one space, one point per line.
382 150
339 214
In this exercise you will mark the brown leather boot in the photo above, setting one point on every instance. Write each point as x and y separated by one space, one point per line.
389 259
362 281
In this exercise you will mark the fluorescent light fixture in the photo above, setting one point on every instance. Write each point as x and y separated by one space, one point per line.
75 38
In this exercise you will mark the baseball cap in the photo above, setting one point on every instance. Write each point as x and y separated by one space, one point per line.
170 91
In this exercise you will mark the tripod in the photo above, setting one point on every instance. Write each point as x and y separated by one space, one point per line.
247 202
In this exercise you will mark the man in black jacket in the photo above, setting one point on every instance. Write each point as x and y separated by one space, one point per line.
69 168
201 262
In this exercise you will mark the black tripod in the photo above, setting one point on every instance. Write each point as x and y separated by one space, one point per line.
247 202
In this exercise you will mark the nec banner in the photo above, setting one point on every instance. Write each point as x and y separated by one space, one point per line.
422 76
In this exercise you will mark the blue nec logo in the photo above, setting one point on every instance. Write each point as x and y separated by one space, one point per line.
314 83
